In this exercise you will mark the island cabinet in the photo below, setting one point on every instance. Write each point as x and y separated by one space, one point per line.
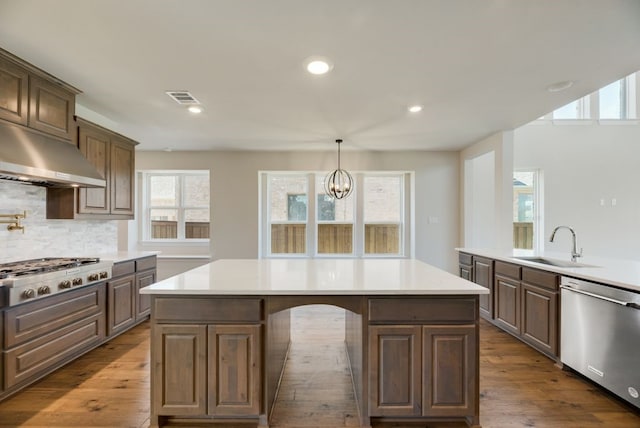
207 357
479 270
125 305
422 357
33 98
526 302
113 155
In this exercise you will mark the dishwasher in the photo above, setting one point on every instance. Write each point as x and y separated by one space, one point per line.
600 335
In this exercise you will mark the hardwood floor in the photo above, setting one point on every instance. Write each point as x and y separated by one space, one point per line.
109 387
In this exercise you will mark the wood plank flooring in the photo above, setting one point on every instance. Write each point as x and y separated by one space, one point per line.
109 387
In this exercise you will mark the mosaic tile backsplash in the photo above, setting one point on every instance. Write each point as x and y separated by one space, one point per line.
49 238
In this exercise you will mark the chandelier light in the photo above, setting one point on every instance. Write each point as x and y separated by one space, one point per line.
338 183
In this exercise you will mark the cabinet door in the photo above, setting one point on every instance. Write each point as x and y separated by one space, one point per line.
121 304
540 318
507 304
394 370
51 108
234 370
122 170
14 92
450 379
143 301
95 145
466 272
179 364
483 275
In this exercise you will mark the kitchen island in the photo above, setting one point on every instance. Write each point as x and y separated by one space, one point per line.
220 337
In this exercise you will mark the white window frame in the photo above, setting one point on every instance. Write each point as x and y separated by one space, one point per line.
583 112
538 208
145 218
406 245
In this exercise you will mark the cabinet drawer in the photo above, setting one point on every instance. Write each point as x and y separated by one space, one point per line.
123 268
465 259
541 278
206 310
31 320
432 309
508 269
146 263
41 355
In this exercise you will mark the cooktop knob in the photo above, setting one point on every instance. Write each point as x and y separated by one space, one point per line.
44 290
104 274
65 284
28 293
93 277
77 281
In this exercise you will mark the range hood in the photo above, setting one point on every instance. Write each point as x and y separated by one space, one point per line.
33 158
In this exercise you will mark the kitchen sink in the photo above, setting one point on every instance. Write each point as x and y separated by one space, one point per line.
552 262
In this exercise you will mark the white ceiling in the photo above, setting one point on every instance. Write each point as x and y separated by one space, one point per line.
477 66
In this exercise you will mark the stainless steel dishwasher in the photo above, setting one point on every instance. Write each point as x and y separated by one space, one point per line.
600 335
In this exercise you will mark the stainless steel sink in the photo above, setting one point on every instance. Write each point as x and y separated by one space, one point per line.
552 262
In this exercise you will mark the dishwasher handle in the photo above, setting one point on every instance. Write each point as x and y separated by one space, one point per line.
601 297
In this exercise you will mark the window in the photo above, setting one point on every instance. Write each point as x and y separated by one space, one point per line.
288 212
617 100
176 205
382 214
579 109
526 208
371 222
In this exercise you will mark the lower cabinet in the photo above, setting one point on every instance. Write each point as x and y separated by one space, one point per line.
422 370
424 363
43 335
125 305
207 370
483 275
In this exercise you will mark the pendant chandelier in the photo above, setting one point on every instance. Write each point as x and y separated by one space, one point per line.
338 183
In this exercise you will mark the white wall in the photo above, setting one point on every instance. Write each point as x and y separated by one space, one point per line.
486 193
49 238
234 193
582 165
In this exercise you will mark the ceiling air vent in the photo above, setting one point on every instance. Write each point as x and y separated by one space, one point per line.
183 97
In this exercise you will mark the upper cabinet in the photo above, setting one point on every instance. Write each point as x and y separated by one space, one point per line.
113 155
33 98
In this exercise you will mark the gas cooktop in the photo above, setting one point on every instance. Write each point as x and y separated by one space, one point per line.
48 264
39 278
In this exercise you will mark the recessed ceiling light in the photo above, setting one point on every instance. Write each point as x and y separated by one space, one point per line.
195 109
415 109
560 86
318 65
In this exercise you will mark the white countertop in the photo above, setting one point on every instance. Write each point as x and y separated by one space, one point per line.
618 272
315 276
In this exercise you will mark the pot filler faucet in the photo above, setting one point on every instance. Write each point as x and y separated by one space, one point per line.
574 251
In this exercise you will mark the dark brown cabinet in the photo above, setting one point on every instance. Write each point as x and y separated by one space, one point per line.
465 266
448 352
121 298
507 297
125 305
234 363
145 275
540 310
179 364
43 335
33 98
395 359
483 275
114 157
14 92
421 363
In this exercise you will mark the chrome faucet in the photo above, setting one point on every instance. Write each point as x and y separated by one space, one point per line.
574 251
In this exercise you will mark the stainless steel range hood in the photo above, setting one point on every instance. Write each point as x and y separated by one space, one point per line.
32 158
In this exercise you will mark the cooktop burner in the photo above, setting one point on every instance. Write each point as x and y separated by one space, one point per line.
37 266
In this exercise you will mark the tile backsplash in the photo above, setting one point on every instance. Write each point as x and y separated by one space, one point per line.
49 238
